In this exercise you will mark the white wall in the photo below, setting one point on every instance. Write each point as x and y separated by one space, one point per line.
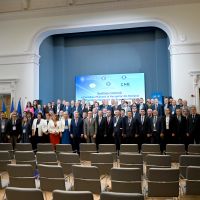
21 35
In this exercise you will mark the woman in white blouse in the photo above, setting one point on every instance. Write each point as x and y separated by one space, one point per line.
55 129
37 130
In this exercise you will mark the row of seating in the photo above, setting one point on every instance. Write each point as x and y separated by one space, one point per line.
91 147
105 166
175 150
104 161
123 180
32 194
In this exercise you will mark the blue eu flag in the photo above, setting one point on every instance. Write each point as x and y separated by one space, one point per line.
19 108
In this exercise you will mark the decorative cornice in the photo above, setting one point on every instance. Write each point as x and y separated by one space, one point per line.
184 48
109 25
6 80
85 6
195 73
23 58
8 85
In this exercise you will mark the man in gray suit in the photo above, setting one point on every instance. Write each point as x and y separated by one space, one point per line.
90 128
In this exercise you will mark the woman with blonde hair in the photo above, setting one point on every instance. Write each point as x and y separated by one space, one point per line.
66 123
55 129
26 131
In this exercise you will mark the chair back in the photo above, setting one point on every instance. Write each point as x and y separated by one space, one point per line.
13 193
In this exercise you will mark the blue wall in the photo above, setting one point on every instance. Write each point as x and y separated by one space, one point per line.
118 51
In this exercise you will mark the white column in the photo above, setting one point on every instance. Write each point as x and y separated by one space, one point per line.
21 71
196 87
184 59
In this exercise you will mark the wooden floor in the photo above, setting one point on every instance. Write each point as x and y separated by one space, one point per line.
104 182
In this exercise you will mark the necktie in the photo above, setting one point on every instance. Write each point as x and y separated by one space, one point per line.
154 120
99 120
116 120
129 122
154 123
193 118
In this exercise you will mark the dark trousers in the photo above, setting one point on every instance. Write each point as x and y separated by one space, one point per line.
117 138
35 140
129 140
13 140
45 138
197 138
139 140
99 140
76 144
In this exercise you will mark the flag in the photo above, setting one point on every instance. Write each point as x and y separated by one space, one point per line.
12 108
19 108
3 106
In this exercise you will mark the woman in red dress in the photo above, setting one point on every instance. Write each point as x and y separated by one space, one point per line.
54 128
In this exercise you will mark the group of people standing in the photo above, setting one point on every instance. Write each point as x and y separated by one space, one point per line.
137 122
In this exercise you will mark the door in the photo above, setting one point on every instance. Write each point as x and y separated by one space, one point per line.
7 100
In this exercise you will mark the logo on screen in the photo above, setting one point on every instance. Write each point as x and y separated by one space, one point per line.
108 83
124 77
92 85
125 84
103 78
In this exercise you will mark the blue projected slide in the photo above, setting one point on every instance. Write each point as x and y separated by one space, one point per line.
110 86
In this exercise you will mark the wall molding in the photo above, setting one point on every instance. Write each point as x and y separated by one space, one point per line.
69 9
23 58
184 48
77 6
43 33
8 86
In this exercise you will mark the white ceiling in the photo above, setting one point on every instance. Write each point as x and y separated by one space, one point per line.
8 6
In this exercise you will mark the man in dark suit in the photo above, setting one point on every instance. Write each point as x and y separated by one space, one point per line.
129 129
155 126
149 113
3 128
121 106
143 129
14 129
53 107
194 125
117 130
180 126
101 129
135 113
66 107
123 117
78 108
165 105
158 107
141 105
59 107
173 107
109 128
114 107
167 134
72 108
105 105
76 131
